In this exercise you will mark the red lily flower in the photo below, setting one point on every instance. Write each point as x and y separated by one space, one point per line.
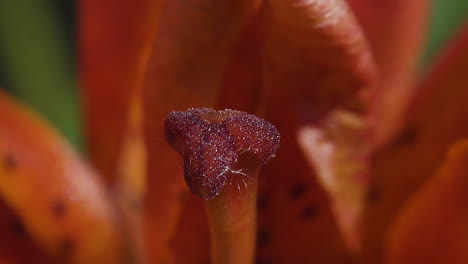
361 176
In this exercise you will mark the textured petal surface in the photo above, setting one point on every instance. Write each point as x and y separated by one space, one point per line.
57 197
435 120
396 30
433 227
317 65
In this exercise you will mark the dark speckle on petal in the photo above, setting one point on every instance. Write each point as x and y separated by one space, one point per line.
9 162
297 191
309 212
66 248
408 136
263 238
18 227
58 208
263 260
373 195
263 201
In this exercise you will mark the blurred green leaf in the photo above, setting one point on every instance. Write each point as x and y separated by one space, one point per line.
446 18
39 64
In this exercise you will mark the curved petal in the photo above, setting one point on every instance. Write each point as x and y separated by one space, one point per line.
396 30
318 71
16 241
56 196
433 226
435 120
115 41
190 56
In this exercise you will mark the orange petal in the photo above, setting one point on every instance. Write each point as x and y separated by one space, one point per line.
316 53
189 60
339 152
191 244
16 241
436 119
396 30
318 72
241 89
433 226
130 185
115 40
54 193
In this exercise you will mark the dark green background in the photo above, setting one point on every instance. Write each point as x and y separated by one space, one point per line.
38 58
